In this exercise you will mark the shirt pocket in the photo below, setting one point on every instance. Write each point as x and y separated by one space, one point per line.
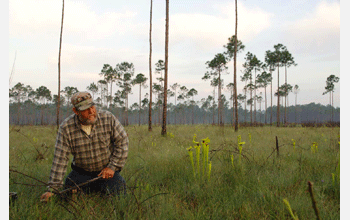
104 142
102 139
104 150
79 145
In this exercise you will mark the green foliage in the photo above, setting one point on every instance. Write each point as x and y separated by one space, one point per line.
160 178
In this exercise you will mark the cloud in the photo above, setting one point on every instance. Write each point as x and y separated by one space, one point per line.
44 16
205 31
318 32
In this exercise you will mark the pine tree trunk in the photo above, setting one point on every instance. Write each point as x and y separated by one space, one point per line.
271 99
235 73
251 103
150 72
255 97
285 99
220 104
265 106
278 97
332 106
140 105
59 73
164 131
175 107
126 111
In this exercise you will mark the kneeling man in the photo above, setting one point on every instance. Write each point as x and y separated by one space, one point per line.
99 145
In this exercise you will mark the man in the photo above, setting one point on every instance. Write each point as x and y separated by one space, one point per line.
99 145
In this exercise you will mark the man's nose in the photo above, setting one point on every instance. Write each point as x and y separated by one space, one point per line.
90 110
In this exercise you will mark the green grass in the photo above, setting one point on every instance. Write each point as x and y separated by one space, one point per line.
161 182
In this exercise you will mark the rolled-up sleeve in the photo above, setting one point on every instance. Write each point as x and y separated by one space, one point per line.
120 146
60 160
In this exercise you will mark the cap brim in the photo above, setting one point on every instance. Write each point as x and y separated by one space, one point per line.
82 108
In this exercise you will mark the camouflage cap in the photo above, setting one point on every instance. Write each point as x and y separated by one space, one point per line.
82 101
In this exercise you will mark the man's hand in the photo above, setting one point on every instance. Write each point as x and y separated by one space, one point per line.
107 173
46 196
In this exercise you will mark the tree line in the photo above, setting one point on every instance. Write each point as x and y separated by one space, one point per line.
256 76
38 106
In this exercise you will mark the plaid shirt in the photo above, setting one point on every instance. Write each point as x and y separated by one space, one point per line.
106 146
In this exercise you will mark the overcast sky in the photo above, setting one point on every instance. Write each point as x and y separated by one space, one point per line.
111 32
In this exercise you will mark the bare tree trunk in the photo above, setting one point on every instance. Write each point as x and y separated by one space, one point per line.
175 106
111 93
285 99
245 104
192 111
255 96
140 105
332 106
278 96
59 73
214 108
251 103
126 111
296 108
220 104
235 74
150 72
166 69
265 106
271 99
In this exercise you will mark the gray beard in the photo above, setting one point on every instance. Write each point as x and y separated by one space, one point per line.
86 121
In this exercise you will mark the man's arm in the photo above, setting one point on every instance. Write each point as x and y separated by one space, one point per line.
60 160
120 144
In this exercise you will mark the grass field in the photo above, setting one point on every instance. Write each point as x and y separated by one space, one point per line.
163 183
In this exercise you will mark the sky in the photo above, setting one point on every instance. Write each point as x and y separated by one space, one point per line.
110 32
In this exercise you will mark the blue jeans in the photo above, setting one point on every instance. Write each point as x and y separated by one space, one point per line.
115 185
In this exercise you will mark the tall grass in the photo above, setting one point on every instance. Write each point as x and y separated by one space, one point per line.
160 179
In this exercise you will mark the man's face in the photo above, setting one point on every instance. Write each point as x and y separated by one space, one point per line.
88 116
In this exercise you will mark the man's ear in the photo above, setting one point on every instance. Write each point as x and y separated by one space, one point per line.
75 111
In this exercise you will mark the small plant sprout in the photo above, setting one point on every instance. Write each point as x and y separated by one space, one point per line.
295 217
240 150
293 144
314 147
336 175
337 172
194 140
170 135
190 153
209 170
233 166
205 156
198 151
239 138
